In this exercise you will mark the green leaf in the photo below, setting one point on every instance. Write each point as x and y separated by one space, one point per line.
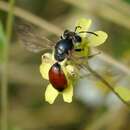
123 92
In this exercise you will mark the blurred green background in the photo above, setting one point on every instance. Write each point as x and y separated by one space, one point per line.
93 108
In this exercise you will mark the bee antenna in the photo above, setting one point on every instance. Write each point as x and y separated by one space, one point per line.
89 32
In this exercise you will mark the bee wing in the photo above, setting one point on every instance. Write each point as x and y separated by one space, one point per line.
32 37
79 59
79 63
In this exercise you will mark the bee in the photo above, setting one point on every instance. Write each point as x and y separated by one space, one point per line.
72 46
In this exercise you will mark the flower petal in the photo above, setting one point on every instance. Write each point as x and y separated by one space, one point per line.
68 93
44 69
84 24
47 62
97 40
51 94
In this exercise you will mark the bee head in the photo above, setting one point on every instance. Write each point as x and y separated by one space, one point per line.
72 36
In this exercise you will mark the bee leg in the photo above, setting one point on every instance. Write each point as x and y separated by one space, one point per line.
79 49
69 54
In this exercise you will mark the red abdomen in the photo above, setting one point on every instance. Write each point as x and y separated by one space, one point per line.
57 77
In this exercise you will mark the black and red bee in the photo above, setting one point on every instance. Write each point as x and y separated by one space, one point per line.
63 49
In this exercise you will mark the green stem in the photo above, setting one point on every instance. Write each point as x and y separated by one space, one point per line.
4 84
106 84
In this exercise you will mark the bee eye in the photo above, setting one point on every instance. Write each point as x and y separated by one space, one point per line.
66 32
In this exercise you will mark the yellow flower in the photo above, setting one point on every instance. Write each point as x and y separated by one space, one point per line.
70 72
51 93
91 40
